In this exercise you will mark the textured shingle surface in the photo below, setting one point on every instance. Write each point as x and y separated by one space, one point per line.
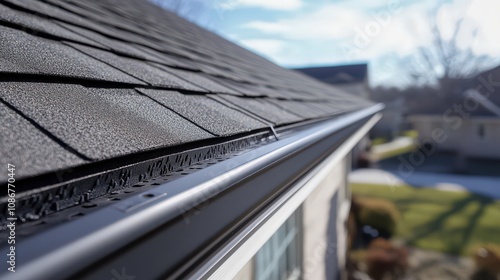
265 109
54 58
143 71
21 142
210 114
96 79
100 123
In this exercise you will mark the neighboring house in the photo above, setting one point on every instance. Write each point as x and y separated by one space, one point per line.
470 126
141 146
392 122
352 78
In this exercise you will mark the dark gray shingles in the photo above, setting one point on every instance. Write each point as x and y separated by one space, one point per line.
53 58
36 24
163 58
139 69
253 89
302 109
31 151
101 123
207 113
10 67
217 72
117 46
198 79
52 11
263 108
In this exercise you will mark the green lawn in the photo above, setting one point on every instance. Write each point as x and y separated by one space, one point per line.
450 222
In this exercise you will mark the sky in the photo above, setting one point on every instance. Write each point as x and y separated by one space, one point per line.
301 33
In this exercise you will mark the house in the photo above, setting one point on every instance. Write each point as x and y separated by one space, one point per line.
352 78
470 125
137 145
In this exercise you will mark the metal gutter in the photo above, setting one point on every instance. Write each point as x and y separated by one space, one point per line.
174 227
231 258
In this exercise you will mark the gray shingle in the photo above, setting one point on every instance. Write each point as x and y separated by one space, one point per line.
207 113
115 45
263 108
139 69
35 24
166 59
100 123
31 151
302 109
198 79
52 11
53 58
10 67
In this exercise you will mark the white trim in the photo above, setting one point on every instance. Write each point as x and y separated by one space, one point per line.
244 253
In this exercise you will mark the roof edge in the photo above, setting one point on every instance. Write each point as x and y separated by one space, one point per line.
183 207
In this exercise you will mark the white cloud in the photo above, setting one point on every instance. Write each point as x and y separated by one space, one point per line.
484 16
374 34
339 27
284 5
266 47
329 22
382 29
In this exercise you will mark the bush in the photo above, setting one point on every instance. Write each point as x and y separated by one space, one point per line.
383 259
487 261
379 214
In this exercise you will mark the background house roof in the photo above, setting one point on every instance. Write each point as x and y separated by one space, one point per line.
477 95
339 74
351 78
85 81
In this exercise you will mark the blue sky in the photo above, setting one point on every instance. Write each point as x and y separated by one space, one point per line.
297 33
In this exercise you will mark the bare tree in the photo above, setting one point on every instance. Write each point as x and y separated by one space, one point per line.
445 63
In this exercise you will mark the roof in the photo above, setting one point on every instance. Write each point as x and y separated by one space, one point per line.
483 91
476 94
86 81
339 74
100 98
123 121
483 102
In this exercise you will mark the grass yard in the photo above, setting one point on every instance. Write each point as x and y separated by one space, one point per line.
450 222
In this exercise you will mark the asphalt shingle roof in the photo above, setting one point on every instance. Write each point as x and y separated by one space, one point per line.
265 109
85 81
21 142
100 123
54 58
210 114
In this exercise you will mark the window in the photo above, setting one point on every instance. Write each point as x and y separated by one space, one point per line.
480 131
280 257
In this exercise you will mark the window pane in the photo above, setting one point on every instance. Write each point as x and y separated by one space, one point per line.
280 257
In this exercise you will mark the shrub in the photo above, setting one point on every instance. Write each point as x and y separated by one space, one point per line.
383 259
487 261
379 214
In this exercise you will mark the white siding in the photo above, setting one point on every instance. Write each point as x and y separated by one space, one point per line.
321 252
465 137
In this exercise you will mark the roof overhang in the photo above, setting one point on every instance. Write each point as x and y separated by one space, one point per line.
195 223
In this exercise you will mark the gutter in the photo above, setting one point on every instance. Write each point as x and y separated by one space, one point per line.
172 229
